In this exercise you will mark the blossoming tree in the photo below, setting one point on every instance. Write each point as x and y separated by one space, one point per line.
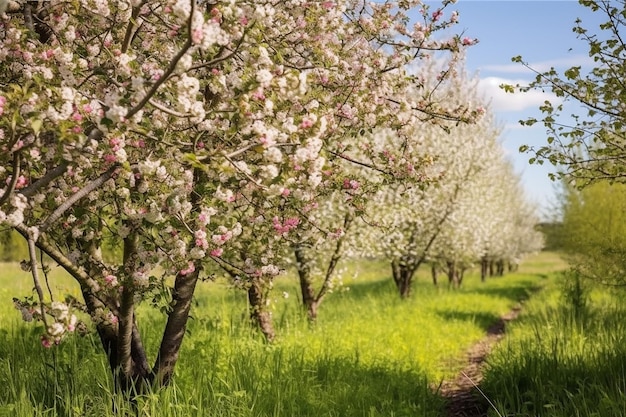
191 135
492 225
440 223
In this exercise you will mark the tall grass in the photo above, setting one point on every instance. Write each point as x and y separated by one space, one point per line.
370 354
563 359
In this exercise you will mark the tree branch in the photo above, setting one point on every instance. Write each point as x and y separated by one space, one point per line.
14 177
50 176
32 254
77 196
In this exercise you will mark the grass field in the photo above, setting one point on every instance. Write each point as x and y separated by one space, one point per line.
560 361
370 354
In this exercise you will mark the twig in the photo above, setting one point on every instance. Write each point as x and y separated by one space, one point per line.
482 393
14 178
45 275
32 253
77 196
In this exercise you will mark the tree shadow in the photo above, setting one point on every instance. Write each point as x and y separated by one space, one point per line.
483 320
512 292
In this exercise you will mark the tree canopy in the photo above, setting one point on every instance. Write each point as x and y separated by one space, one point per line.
590 143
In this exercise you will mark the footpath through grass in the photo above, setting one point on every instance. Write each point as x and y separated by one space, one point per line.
559 360
370 354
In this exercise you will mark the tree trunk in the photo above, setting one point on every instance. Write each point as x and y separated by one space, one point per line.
433 272
403 277
184 288
453 278
257 297
138 376
500 267
309 299
491 268
484 266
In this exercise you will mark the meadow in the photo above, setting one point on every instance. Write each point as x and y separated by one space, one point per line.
564 356
370 353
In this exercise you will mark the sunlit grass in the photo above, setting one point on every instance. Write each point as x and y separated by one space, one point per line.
370 354
558 362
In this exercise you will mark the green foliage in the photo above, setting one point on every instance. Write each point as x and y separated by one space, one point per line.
552 231
594 232
575 295
12 246
588 145
370 354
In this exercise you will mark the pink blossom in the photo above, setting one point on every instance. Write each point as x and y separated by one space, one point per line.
217 252
258 94
115 143
139 143
45 342
285 192
197 35
288 225
292 222
190 268
349 184
20 183
46 55
467 41
201 241
306 123
111 280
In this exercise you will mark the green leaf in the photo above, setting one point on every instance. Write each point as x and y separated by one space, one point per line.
36 126
508 88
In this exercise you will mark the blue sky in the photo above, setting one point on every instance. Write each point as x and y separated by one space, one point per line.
541 32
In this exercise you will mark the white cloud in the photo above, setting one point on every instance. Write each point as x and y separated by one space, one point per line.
502 101
541 66
517 126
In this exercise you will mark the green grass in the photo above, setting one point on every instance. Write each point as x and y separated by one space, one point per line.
370 354
561 363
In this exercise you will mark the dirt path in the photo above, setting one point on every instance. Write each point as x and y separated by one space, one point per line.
464 400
